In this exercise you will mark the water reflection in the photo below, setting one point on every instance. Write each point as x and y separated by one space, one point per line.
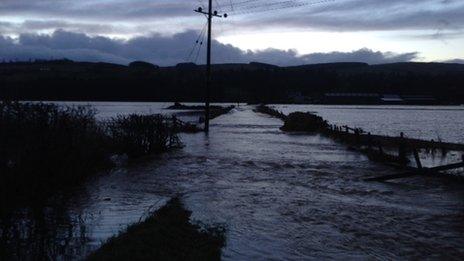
441 123
280 196
49 232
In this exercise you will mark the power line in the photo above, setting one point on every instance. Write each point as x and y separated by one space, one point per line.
231 5
249 7
277 6
245 7
245 2
199 47
200 36
219 8
210 15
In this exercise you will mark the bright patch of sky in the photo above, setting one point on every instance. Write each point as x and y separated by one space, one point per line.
433 29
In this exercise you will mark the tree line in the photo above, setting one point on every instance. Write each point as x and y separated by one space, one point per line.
254 82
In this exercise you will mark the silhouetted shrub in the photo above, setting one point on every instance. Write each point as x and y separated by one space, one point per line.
46 147
217 108
43 146
214 112
304 121
218 111
269 111
139 135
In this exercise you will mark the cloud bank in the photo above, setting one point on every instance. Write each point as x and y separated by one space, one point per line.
425 25
120 16
168 50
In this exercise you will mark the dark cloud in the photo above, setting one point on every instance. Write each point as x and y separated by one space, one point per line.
337 15
165 50
111 10
364 55
362 15
89 28
455 61
438 35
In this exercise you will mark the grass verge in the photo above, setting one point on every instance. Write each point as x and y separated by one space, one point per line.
166 235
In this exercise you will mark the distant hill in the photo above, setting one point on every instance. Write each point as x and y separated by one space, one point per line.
143 65
428 68
252 82
330 66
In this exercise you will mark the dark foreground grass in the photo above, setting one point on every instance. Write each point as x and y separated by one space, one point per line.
166 235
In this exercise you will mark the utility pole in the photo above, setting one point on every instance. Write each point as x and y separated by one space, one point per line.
209 15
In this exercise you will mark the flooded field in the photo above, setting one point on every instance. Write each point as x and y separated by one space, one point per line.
443 123
280 196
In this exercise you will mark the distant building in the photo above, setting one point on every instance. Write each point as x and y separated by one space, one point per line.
419 99
298 98
392 99
186 66
351 98
375 98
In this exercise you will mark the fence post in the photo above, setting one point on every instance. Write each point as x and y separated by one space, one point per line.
417 158
174 129
402 148
369 141
380 147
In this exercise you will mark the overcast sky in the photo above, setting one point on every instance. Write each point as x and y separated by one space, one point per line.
275 31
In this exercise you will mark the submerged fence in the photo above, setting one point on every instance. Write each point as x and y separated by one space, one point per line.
378 148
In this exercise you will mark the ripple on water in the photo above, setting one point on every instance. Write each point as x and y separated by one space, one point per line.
283 197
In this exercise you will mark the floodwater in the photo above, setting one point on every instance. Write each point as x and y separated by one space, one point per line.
445 123
279 196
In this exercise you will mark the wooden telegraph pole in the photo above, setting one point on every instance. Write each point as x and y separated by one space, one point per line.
209 15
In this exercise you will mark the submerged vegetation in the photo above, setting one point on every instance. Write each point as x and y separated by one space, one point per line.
304 121
166 235
377 147
296 121
215 110
270 111
46 147
180 106
138 135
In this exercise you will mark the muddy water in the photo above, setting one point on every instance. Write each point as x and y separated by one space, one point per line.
280 196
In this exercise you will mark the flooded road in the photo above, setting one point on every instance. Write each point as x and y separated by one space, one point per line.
280 197
284 196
